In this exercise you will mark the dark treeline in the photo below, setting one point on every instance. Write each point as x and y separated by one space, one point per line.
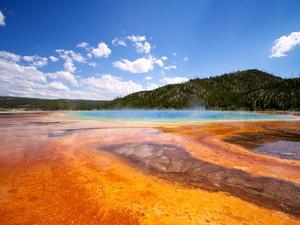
242 90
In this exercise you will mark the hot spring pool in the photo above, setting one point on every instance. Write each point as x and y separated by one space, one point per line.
177 115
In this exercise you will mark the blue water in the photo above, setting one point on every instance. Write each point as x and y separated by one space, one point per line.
176 115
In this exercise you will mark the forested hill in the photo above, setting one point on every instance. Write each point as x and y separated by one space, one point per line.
248 90
243 90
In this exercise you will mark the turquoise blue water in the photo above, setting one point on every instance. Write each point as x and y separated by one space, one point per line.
176 115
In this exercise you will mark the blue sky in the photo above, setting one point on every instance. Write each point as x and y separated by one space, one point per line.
103 49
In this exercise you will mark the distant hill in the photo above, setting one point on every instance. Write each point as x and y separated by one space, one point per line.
48 104
248 90
242 90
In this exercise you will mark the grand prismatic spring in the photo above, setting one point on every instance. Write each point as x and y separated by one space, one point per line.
154 167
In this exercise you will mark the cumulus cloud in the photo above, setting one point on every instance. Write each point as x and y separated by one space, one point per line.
143 47
24 76
70 55
10 56
53 58
173 80
57 85
140 43
112 84
284 44
140 65
63 75
101 51
30 81
157 61
171 67
84 45
89 55
118 42
2 19
14 70
20 80
136 38
35 60
69 66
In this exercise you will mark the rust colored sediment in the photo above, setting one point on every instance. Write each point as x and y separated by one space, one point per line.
51 172
175 164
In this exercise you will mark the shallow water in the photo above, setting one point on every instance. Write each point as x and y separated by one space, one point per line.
282 149
177 115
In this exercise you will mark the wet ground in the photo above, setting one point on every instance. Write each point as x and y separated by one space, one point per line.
282 143
54 170
282 149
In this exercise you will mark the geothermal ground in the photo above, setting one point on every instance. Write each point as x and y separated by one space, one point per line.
58 170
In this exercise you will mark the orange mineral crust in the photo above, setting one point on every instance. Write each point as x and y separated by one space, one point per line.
206 141
55 171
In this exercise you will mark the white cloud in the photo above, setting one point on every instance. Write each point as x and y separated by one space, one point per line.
173 80
143 47
174 54
2 19
84 45
70 55
284 44
69 66
20 80
63 75
136 38
30 81
140 43
28 58
185 59
118 42
35 60
14 71
57 85
10 56
158 62
24 76
102 51
171 67
112 84
53 58
152 86
141 65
